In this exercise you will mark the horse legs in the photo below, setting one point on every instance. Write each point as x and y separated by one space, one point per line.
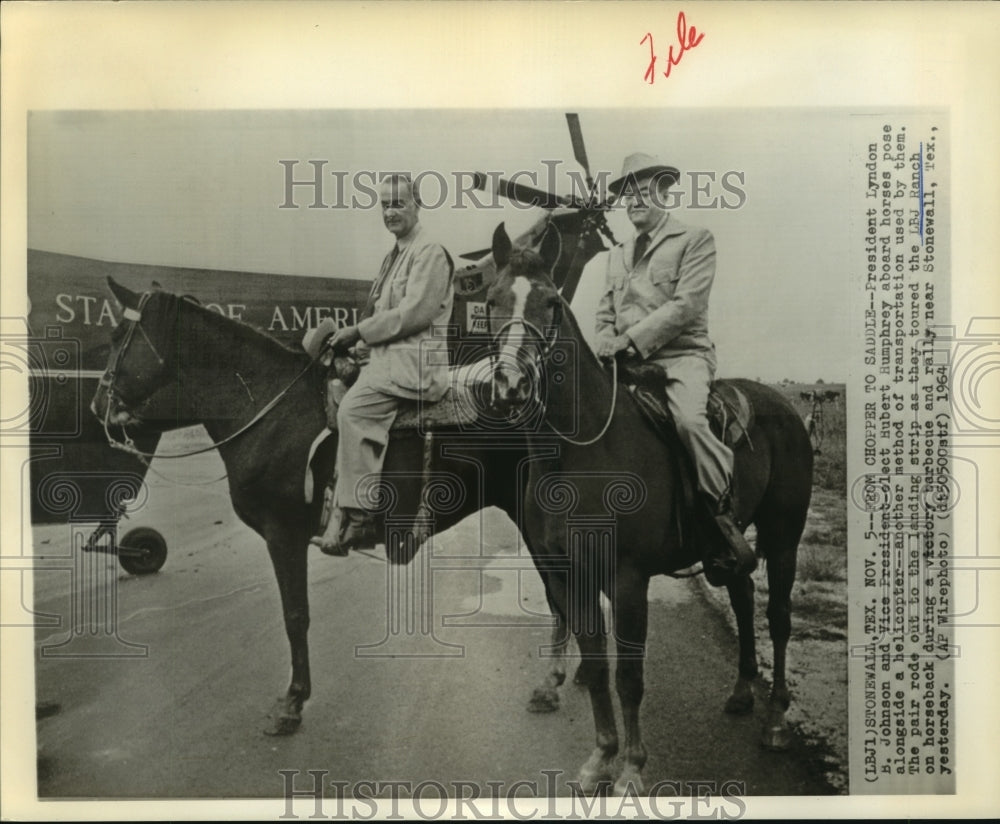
631 617
596 770
545 698
289 558
741 599
781 545
580 603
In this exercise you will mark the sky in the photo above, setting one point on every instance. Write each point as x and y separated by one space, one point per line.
205 189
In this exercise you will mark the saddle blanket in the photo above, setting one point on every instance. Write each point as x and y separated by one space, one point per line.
466 395
469 388
729 411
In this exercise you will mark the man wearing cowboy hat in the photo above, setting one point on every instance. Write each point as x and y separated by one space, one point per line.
655 305
411 296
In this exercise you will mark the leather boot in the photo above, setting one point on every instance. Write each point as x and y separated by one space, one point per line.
734 558
347 529
357 530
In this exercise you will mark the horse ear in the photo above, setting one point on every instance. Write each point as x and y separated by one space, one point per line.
126 297
501 247
156 286
550 247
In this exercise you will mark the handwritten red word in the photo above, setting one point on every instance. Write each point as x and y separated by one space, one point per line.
687 39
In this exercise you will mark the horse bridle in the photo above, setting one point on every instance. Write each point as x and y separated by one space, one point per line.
547 347
108 380
134 318
548 343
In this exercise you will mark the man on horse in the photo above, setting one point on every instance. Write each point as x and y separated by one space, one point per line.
406 360
655 306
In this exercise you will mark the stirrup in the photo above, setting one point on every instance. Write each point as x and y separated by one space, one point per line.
740 559
328 540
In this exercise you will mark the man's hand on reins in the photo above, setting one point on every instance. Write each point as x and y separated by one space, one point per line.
608 347
344 338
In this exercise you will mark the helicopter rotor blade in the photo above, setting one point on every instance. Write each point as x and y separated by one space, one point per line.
528 195
579 149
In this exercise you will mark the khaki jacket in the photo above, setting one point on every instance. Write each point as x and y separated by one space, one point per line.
661 301
406 333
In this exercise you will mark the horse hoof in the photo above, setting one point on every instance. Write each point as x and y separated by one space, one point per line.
543 699
594 783
595 775
739 704
630 784
776 739
282 720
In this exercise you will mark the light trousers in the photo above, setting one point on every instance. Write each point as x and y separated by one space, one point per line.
688 379
364 418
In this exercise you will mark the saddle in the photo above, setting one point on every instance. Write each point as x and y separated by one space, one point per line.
468 388
730 417
730 414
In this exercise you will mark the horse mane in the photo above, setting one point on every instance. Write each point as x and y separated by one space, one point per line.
570 318
247 335
533 259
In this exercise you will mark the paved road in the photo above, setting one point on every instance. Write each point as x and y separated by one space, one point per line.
180 715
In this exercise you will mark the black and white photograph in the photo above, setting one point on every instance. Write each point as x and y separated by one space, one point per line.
438 457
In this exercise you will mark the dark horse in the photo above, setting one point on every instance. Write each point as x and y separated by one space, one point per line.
225 374
595 460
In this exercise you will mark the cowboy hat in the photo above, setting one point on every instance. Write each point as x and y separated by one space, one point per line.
314 339
638 166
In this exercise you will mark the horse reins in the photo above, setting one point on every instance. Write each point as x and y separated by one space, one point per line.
134 317
548 345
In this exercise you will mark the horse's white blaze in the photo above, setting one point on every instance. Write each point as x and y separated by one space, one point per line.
521 288
508 363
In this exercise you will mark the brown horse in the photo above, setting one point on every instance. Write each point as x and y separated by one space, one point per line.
598 510
226 375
